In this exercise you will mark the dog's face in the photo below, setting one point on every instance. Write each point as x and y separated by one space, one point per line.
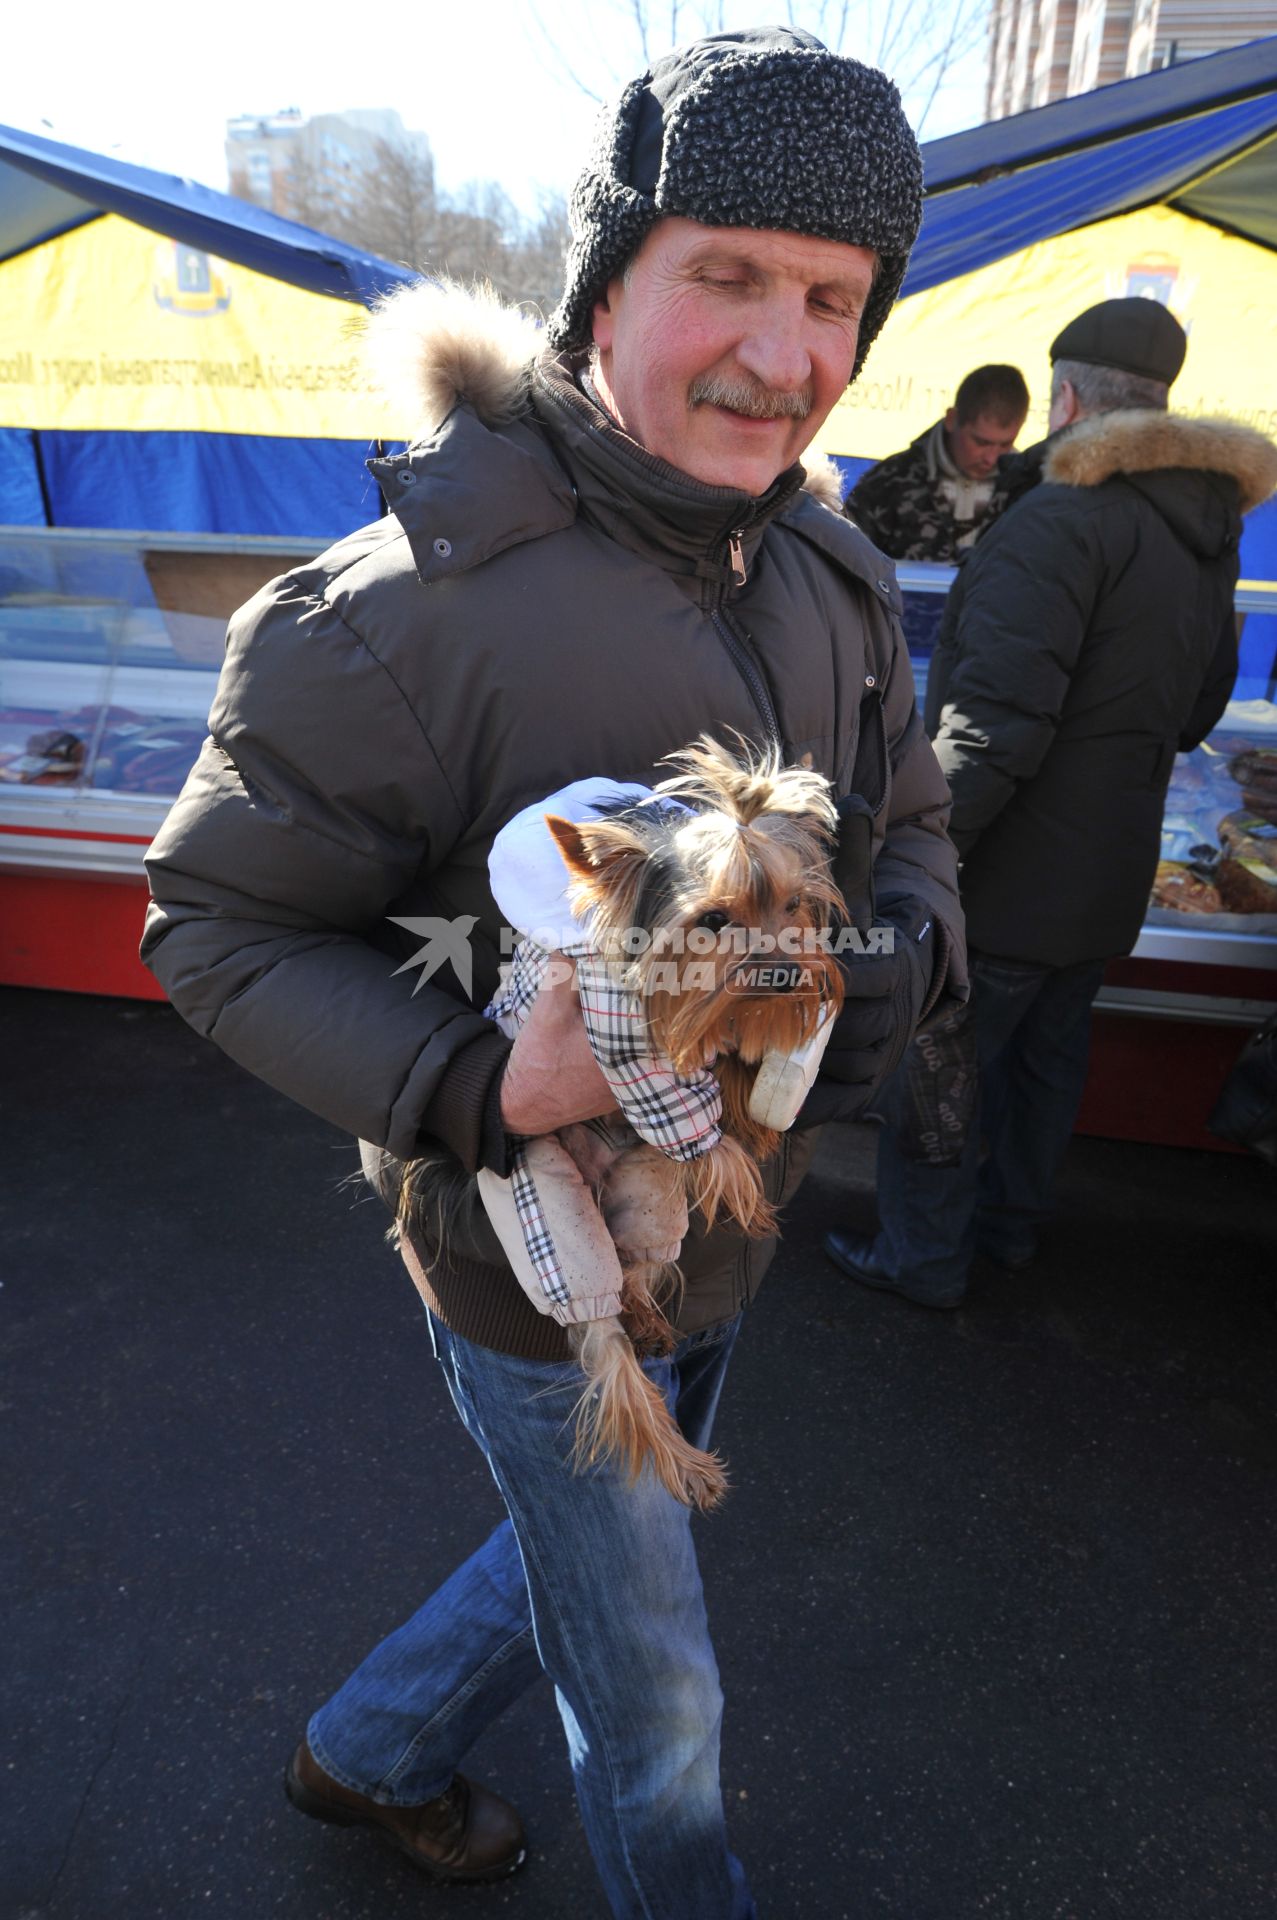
715 911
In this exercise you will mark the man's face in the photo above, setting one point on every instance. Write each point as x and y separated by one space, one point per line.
976 446
724 349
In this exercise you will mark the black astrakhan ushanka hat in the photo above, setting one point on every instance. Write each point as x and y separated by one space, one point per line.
762 128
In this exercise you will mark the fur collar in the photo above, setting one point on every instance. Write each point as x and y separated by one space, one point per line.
435 344
1145 441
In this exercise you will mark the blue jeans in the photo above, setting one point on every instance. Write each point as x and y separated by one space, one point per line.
595 1582
1033 1036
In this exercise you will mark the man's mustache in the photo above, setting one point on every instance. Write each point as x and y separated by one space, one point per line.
750 397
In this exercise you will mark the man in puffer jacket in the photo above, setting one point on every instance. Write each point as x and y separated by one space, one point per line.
1089 638
593 552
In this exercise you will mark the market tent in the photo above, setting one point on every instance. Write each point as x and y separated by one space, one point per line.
1164 186
174 358
47 189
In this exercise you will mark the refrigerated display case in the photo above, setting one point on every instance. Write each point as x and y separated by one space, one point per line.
109 650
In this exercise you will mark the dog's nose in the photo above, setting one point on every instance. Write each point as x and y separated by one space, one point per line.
783 975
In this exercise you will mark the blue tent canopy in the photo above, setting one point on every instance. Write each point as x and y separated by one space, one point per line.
1201 138
47 189
1088 119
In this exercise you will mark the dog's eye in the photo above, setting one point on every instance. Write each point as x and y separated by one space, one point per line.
715 920
792 906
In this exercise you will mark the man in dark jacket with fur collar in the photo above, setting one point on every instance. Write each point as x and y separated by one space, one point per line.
592 553
1089 639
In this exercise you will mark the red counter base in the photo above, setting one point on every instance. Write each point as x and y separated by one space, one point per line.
1156 1080
72 933
1150 1080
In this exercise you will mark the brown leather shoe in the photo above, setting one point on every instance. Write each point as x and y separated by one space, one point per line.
467 1834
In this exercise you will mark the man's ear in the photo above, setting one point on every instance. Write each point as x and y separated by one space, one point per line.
1064 403
951 420
604 320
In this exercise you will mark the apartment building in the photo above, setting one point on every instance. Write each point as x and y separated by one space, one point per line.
269 156
1041 50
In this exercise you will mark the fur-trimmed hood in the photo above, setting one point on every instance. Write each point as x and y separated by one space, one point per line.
434 345
1143 441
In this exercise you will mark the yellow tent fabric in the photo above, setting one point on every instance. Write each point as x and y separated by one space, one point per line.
113 327
1223 290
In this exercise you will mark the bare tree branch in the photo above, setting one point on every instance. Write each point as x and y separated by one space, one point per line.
558 61
595 48
639 13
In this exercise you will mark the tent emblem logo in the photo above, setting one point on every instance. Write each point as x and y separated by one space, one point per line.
189 282
1155 276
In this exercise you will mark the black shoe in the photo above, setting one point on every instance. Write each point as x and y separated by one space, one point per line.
467 1834
854 1253
1019 1262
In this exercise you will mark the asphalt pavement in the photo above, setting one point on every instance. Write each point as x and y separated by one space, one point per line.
993 1596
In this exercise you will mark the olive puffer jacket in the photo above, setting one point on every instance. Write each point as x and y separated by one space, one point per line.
543 601
1088 639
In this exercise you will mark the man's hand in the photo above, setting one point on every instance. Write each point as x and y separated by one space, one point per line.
552 1078
885 994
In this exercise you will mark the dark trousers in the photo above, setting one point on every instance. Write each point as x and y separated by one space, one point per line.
1033 1031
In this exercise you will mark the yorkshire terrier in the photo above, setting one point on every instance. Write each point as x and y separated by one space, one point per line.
707 993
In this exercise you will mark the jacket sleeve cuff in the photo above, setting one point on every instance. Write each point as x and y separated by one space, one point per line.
465 1113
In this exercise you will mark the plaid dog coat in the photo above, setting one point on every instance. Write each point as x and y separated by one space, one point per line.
566 1269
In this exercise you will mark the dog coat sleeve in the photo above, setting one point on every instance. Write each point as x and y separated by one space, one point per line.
550 1228
553 1234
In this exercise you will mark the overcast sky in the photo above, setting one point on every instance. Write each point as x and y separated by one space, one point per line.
155 82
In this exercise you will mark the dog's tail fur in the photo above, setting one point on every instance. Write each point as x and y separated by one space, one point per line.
622 1416
727 1180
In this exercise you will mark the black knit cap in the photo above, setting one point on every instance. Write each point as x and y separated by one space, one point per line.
761 128
1135 336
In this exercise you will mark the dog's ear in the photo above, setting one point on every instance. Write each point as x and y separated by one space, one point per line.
571 844
604 857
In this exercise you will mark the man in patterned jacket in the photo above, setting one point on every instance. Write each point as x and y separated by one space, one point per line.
930 501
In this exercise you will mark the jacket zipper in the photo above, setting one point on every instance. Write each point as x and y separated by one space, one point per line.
743 662
737 644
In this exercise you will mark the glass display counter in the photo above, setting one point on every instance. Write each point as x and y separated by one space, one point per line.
109 648
109 651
